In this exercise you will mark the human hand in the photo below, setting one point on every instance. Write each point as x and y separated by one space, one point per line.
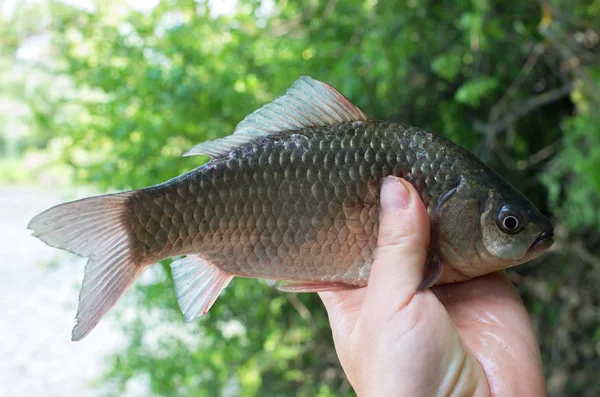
464 339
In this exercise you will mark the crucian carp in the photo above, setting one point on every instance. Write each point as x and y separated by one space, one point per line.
293 195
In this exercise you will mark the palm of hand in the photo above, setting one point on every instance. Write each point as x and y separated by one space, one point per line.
470 338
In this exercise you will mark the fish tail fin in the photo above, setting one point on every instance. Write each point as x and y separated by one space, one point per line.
96 228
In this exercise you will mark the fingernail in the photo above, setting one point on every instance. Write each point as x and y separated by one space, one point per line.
394 195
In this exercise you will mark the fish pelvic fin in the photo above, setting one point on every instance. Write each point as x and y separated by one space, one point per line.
308 103
96 228
314 286
198 284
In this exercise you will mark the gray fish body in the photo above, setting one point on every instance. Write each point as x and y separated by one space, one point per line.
300 205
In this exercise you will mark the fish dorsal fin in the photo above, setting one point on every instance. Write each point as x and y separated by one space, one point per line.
307 103
219 147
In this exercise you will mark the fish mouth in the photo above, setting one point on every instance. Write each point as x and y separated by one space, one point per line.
542 242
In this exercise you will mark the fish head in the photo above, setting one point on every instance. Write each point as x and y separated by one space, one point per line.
513 231
488 226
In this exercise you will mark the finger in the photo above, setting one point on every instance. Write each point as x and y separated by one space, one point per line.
495 285
402 245
343 302
343 308
465 301
496 327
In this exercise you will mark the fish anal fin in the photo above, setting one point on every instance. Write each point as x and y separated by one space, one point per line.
198 284
308 103
314 286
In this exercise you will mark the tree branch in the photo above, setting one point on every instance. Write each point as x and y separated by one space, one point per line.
582 253
522 109
300 308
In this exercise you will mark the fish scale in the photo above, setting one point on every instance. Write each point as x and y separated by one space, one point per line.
302 210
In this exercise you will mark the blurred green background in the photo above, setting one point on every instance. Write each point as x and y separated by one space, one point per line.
109 94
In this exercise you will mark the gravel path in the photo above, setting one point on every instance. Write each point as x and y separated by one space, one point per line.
37 308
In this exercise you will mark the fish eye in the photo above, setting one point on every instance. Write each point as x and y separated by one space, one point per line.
509 220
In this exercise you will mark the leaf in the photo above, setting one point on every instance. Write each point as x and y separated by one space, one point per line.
447 65
473 91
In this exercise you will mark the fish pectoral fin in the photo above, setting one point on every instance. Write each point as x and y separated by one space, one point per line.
432 273
313 286
198 284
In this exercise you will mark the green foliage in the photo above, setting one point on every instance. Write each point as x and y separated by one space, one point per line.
143 87
252 342
447 65
576 166
474 90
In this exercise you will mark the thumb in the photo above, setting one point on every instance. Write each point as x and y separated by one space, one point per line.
402 245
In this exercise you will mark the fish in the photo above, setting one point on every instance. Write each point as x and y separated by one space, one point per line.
292 195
